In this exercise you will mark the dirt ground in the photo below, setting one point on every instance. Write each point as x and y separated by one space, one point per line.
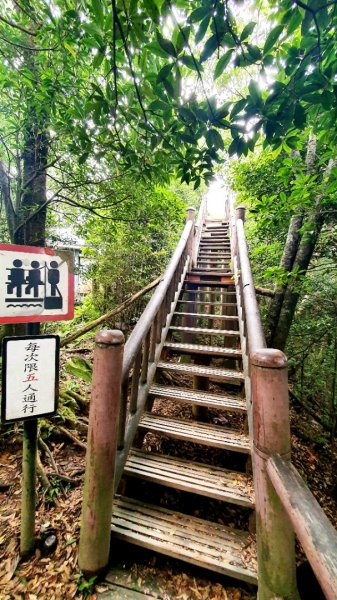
56 575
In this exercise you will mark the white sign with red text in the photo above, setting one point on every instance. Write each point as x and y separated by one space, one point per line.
29 377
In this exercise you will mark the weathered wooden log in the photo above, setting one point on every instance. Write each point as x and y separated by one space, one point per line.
112 313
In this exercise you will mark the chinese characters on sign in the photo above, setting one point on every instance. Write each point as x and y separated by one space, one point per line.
30 377
35 284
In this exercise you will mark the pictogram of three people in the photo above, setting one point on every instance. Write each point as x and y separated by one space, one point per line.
17 278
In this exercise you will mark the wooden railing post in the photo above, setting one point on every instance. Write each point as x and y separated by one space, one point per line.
190 243
275 537
241 212
101 453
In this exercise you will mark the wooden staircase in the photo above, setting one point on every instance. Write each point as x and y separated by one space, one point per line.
200 366
196 382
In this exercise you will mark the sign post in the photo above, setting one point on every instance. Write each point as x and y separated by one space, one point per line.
36 284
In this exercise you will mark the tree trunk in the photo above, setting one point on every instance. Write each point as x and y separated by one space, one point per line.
292 293
6 195
289 253
287 261
33 206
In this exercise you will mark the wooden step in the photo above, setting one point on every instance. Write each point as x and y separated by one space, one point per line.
207 303
203 543
214 373
212 271
217 401
214 244
206 434
215 238
213 259
201 479
208 316
210 293
196 272
205 330
206 283
220 241
213 351
214 255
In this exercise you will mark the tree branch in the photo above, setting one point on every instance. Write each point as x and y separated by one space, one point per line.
112 313
12 24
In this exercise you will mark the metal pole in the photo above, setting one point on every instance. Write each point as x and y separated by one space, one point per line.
275 536
29 453
101 453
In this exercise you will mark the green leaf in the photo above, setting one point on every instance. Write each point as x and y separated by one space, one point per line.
80 368
202 29
254 52
156 49
70 49
159 105
97 9
223 110
83 158
164 73
254 91
272 38
247 30
222 63
299 116
199 13
213 138
166 45
238 106
210 47
189 62
233 146
169 87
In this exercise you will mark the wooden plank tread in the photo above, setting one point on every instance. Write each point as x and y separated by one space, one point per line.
202 349
207 302
208 261
213 373
206 434
201 272
205 480
205 331
209 545
211 271
209 316
205 283
218 401
211 293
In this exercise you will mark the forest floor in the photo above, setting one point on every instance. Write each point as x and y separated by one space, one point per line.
56 575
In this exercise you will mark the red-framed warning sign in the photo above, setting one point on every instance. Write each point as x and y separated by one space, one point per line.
36 284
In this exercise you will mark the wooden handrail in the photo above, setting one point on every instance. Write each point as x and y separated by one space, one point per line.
312 527
256 339
143 348
198 228
143 325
